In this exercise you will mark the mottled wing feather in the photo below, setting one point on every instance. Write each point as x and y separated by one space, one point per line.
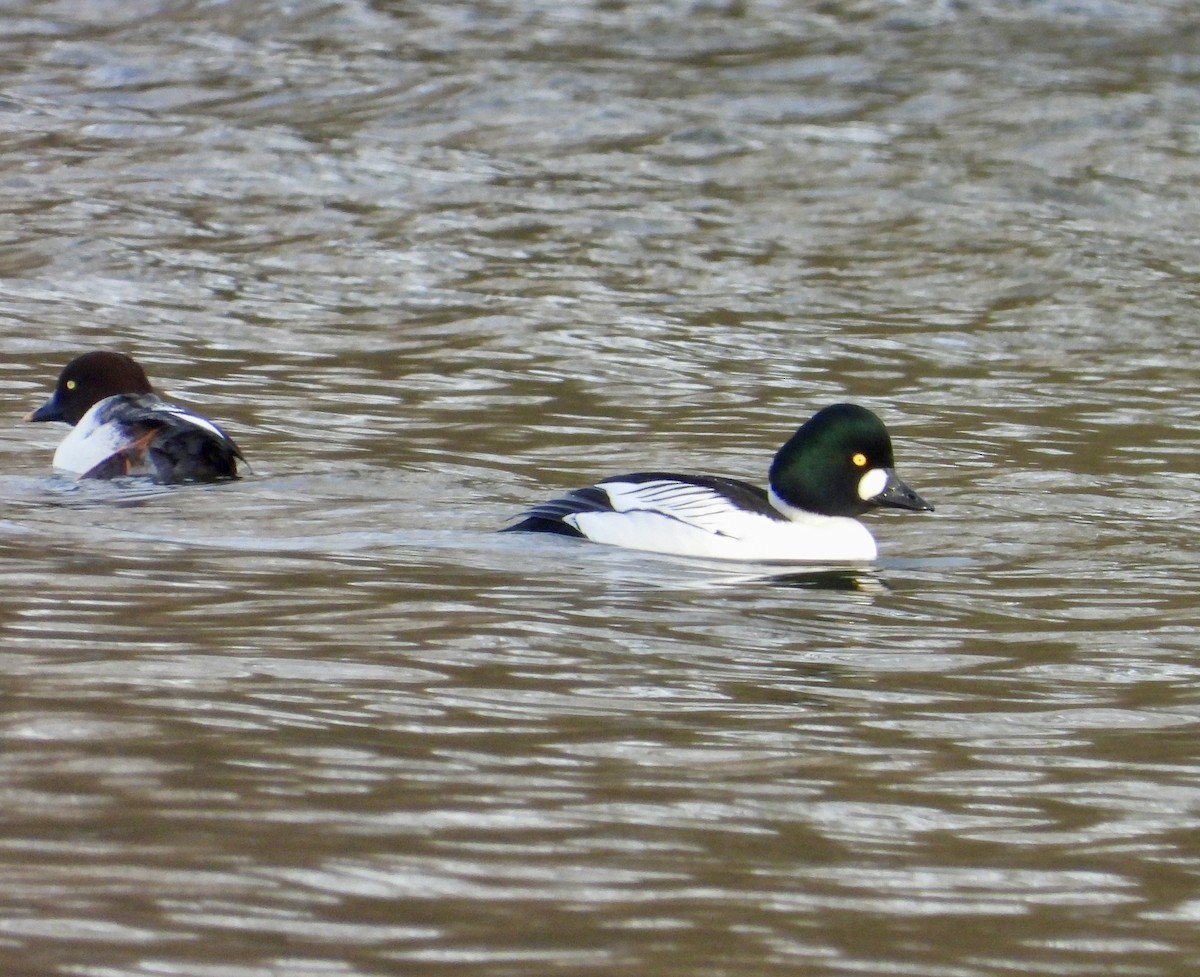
168 441
151 410
129 458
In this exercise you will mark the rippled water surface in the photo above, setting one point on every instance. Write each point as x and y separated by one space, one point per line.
432 262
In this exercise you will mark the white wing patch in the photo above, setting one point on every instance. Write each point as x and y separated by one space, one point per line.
696 505
185 415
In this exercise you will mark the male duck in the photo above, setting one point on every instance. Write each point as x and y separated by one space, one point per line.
122 427
838 465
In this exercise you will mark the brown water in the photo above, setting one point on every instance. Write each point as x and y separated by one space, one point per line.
432 262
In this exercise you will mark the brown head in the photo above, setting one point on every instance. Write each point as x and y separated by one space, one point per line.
89 379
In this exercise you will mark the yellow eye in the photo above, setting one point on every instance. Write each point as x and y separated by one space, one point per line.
71 384
859 459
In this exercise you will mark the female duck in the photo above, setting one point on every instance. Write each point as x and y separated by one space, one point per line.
122 427
838 465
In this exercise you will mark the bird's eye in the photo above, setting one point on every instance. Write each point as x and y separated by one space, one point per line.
859 459
71 385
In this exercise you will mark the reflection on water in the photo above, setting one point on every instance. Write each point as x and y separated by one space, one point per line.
428 262
837 580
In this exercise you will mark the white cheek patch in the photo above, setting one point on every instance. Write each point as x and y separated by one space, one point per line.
872 483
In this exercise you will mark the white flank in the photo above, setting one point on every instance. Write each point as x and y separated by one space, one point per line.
87 444
691 520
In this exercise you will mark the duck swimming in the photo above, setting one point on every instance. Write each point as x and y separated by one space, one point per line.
122 427
838 465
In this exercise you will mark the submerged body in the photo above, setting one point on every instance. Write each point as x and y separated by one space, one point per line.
837 466
121 427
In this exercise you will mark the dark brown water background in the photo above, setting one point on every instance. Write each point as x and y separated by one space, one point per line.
430 262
